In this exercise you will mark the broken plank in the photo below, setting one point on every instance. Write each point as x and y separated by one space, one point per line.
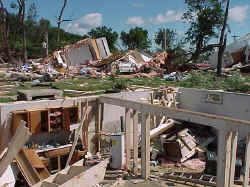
77 135
19 139
86 178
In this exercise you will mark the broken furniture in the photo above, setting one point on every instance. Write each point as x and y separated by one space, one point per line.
57 153
180 147
29 95
31 166
46 120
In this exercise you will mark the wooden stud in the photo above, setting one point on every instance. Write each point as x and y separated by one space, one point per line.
135 141
145 147
78 131
221 158
247 160
228 157
128 136
233 157
98 125
59 163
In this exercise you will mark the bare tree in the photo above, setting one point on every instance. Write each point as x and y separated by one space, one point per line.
223 40
21 15
59 21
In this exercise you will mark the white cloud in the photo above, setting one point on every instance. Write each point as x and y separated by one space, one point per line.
168 17
137 5
135 21
238 13
85 23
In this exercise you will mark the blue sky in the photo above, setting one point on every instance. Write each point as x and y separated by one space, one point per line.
123 15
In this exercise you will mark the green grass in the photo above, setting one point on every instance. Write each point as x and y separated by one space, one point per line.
204 80
84 84
6 100
200 80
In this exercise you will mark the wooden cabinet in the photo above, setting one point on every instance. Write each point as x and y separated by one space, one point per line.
45 120
17 116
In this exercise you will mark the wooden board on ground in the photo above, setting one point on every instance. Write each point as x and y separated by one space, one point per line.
31 166
77 176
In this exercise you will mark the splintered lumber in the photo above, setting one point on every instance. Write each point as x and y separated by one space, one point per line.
31 166
77 135
19 139
76 175
161 128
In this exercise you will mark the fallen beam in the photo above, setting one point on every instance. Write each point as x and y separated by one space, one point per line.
161 128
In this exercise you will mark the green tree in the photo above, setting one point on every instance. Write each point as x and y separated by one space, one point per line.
136 38
205 18
104 31
165 38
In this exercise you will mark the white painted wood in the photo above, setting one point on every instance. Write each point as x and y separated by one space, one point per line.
88 178
52 177
16 144
221 158
135 141
145 146
233 157
161 128
98 125
228 157
180 114
128 134
247 160
8 178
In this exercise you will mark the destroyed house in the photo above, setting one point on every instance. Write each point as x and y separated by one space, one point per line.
86 50
69 142
236 52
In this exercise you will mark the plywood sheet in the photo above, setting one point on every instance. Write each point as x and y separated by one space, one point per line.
35 122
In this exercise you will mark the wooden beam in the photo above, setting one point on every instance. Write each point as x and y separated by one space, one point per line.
247 160
221 150
128 134
228 157
180 114
135 141
233 157
98 125
18 140
145 147
78 132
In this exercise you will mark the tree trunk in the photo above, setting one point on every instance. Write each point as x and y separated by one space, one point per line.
222 41
59 21
197 50
23 34
5 30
